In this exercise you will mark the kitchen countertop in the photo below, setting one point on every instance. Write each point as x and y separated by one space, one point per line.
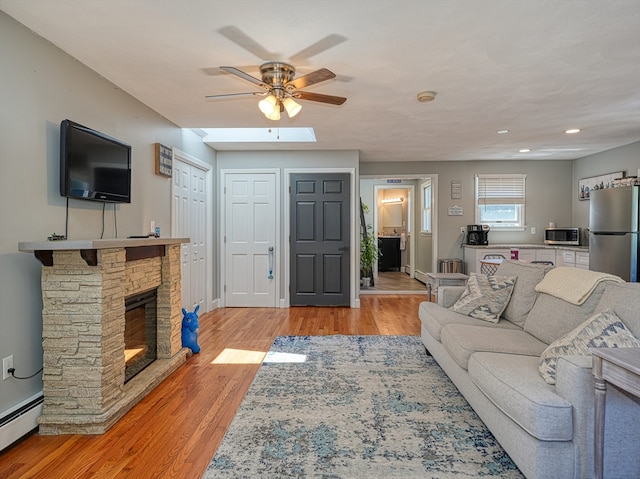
584 249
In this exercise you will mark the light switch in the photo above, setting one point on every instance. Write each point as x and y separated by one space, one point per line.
533 230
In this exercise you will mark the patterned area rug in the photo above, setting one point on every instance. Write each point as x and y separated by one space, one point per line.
335 407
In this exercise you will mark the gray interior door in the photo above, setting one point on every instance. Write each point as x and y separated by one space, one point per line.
320 239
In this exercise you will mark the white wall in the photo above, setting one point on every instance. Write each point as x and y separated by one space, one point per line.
39 87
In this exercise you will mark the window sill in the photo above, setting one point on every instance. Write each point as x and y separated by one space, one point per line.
508 228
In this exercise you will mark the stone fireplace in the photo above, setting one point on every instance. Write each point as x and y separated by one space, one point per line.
86 286
140 332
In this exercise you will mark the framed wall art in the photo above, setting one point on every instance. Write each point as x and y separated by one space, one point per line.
164 160
587 185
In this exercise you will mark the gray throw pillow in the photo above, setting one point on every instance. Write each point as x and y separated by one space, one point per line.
485 297
524 293
602 330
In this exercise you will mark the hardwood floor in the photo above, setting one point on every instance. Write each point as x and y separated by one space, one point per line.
175 430
396 282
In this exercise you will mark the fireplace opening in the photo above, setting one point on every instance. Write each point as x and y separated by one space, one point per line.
140 332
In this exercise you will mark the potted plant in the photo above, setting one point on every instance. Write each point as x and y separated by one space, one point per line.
369 253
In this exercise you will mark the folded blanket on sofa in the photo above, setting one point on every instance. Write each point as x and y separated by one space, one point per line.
573 285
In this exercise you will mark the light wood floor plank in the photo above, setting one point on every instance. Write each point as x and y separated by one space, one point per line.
175 431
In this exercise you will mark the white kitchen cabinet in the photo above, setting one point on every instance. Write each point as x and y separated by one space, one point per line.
572 258
546 255
558 256
531 254
565 257
526 255
582 260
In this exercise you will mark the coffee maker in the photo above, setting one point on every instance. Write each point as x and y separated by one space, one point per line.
478 234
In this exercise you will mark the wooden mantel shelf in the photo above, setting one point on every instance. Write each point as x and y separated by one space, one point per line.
136 248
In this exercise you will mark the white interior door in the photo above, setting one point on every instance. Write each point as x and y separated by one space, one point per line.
189 220
251 256
181 203
197 222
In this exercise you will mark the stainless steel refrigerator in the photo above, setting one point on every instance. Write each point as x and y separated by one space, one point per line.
614 243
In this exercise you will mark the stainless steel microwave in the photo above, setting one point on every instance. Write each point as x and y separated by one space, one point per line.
565 236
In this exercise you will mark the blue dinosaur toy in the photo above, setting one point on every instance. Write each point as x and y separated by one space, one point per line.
190 328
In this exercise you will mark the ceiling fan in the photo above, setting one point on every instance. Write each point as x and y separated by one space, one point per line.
280 88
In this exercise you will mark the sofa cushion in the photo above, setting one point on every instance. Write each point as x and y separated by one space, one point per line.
485 297
624 299
602 330
513 384
551 317
524 293
434 317
461 341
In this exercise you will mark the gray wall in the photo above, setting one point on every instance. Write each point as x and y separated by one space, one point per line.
548 196
39 87
624 158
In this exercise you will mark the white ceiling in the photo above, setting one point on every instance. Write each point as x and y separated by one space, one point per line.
535 67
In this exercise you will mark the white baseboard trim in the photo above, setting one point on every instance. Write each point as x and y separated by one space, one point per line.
20 420
420 276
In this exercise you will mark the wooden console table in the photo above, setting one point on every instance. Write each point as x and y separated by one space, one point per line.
620 367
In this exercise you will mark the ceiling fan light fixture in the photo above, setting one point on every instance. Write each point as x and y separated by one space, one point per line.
274 115
268 105
292 107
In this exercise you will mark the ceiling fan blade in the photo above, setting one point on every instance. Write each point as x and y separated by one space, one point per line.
243 40
231 95
312 78
215 71
333 100
244 76
320 46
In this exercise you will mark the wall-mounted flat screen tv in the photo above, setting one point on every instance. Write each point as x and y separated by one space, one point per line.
93 166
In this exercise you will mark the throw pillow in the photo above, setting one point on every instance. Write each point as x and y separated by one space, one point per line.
602 330
485 297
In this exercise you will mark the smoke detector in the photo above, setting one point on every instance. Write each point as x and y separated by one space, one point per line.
425 96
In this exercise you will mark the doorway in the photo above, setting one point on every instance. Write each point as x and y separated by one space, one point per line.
320 239
191 218
402 215
250 245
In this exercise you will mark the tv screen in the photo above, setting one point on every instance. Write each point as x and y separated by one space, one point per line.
93 166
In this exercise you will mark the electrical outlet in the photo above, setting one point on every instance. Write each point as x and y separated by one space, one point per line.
7 363
533 230
462 230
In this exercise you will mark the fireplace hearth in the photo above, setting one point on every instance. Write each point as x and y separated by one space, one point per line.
109 306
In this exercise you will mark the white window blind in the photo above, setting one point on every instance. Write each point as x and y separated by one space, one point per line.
500 189
500 201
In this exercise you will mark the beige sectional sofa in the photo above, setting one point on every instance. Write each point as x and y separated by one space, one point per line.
547 429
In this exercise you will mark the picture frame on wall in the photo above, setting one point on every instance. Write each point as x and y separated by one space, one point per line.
164 160
587 185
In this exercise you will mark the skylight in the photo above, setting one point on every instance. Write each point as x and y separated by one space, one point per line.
259 135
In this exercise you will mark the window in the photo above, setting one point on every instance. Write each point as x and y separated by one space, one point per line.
500 201
426 206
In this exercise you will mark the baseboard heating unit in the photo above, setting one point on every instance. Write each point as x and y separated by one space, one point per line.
20 420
